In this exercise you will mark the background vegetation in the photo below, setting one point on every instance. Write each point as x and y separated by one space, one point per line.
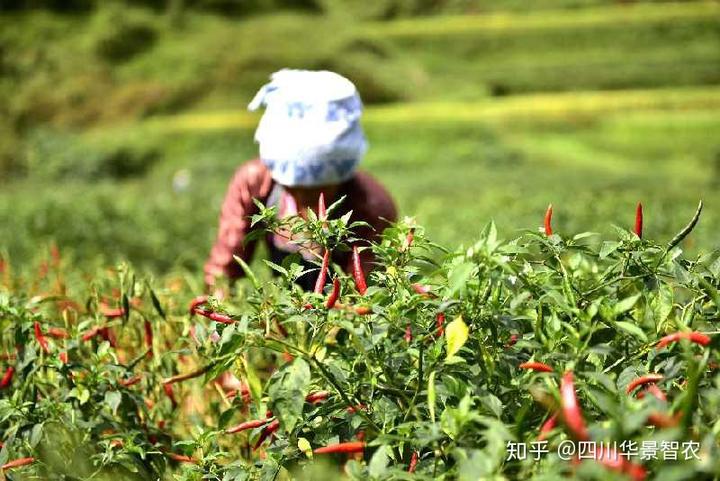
121 122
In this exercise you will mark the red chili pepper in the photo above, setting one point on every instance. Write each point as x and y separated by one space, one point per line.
57 333
548 221
636 471
409 239
170 393
63 357
696 337
316 397
572 415
642 380
40 338
112 313
413 462
231 390
358 273
256 423
108 335
354 409
349 448
662 420
181 458
7 377
363 310
267 432
536 366
322 212
16 463
130 381
547 426
334 294
197 302
654 390
422 290
320 282
440 323
512 341
148 337
611 459
639 220
408 334
91 333
214 316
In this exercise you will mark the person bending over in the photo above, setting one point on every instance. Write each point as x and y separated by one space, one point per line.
311 142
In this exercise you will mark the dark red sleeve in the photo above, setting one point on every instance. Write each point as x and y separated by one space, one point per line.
251 181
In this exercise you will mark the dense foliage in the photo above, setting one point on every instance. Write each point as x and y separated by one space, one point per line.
446 362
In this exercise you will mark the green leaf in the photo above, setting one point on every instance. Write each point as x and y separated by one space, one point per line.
456 335
608 248
288 391
379 463
305 447
253 383
458 277
631 328
112 399
626 304
156 302
36 434
431 395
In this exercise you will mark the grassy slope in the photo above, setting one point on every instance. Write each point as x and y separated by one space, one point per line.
454 163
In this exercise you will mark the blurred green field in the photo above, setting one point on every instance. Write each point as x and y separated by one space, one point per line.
469 119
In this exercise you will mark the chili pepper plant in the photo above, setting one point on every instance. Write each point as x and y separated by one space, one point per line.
430 367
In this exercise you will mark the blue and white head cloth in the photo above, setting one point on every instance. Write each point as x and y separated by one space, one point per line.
310 133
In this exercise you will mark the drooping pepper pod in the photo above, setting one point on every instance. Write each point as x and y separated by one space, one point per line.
348 448
440 324
334 294
7 377
536 366
358 273
643 380
130 381
170 393
197 302
267 432
316 397
215 316
547 427
571 413
696 337
16 463
322 276
255 423
413 462
40 338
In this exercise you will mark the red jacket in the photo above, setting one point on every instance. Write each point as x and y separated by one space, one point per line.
368 200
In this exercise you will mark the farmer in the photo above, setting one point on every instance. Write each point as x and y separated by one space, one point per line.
311 142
